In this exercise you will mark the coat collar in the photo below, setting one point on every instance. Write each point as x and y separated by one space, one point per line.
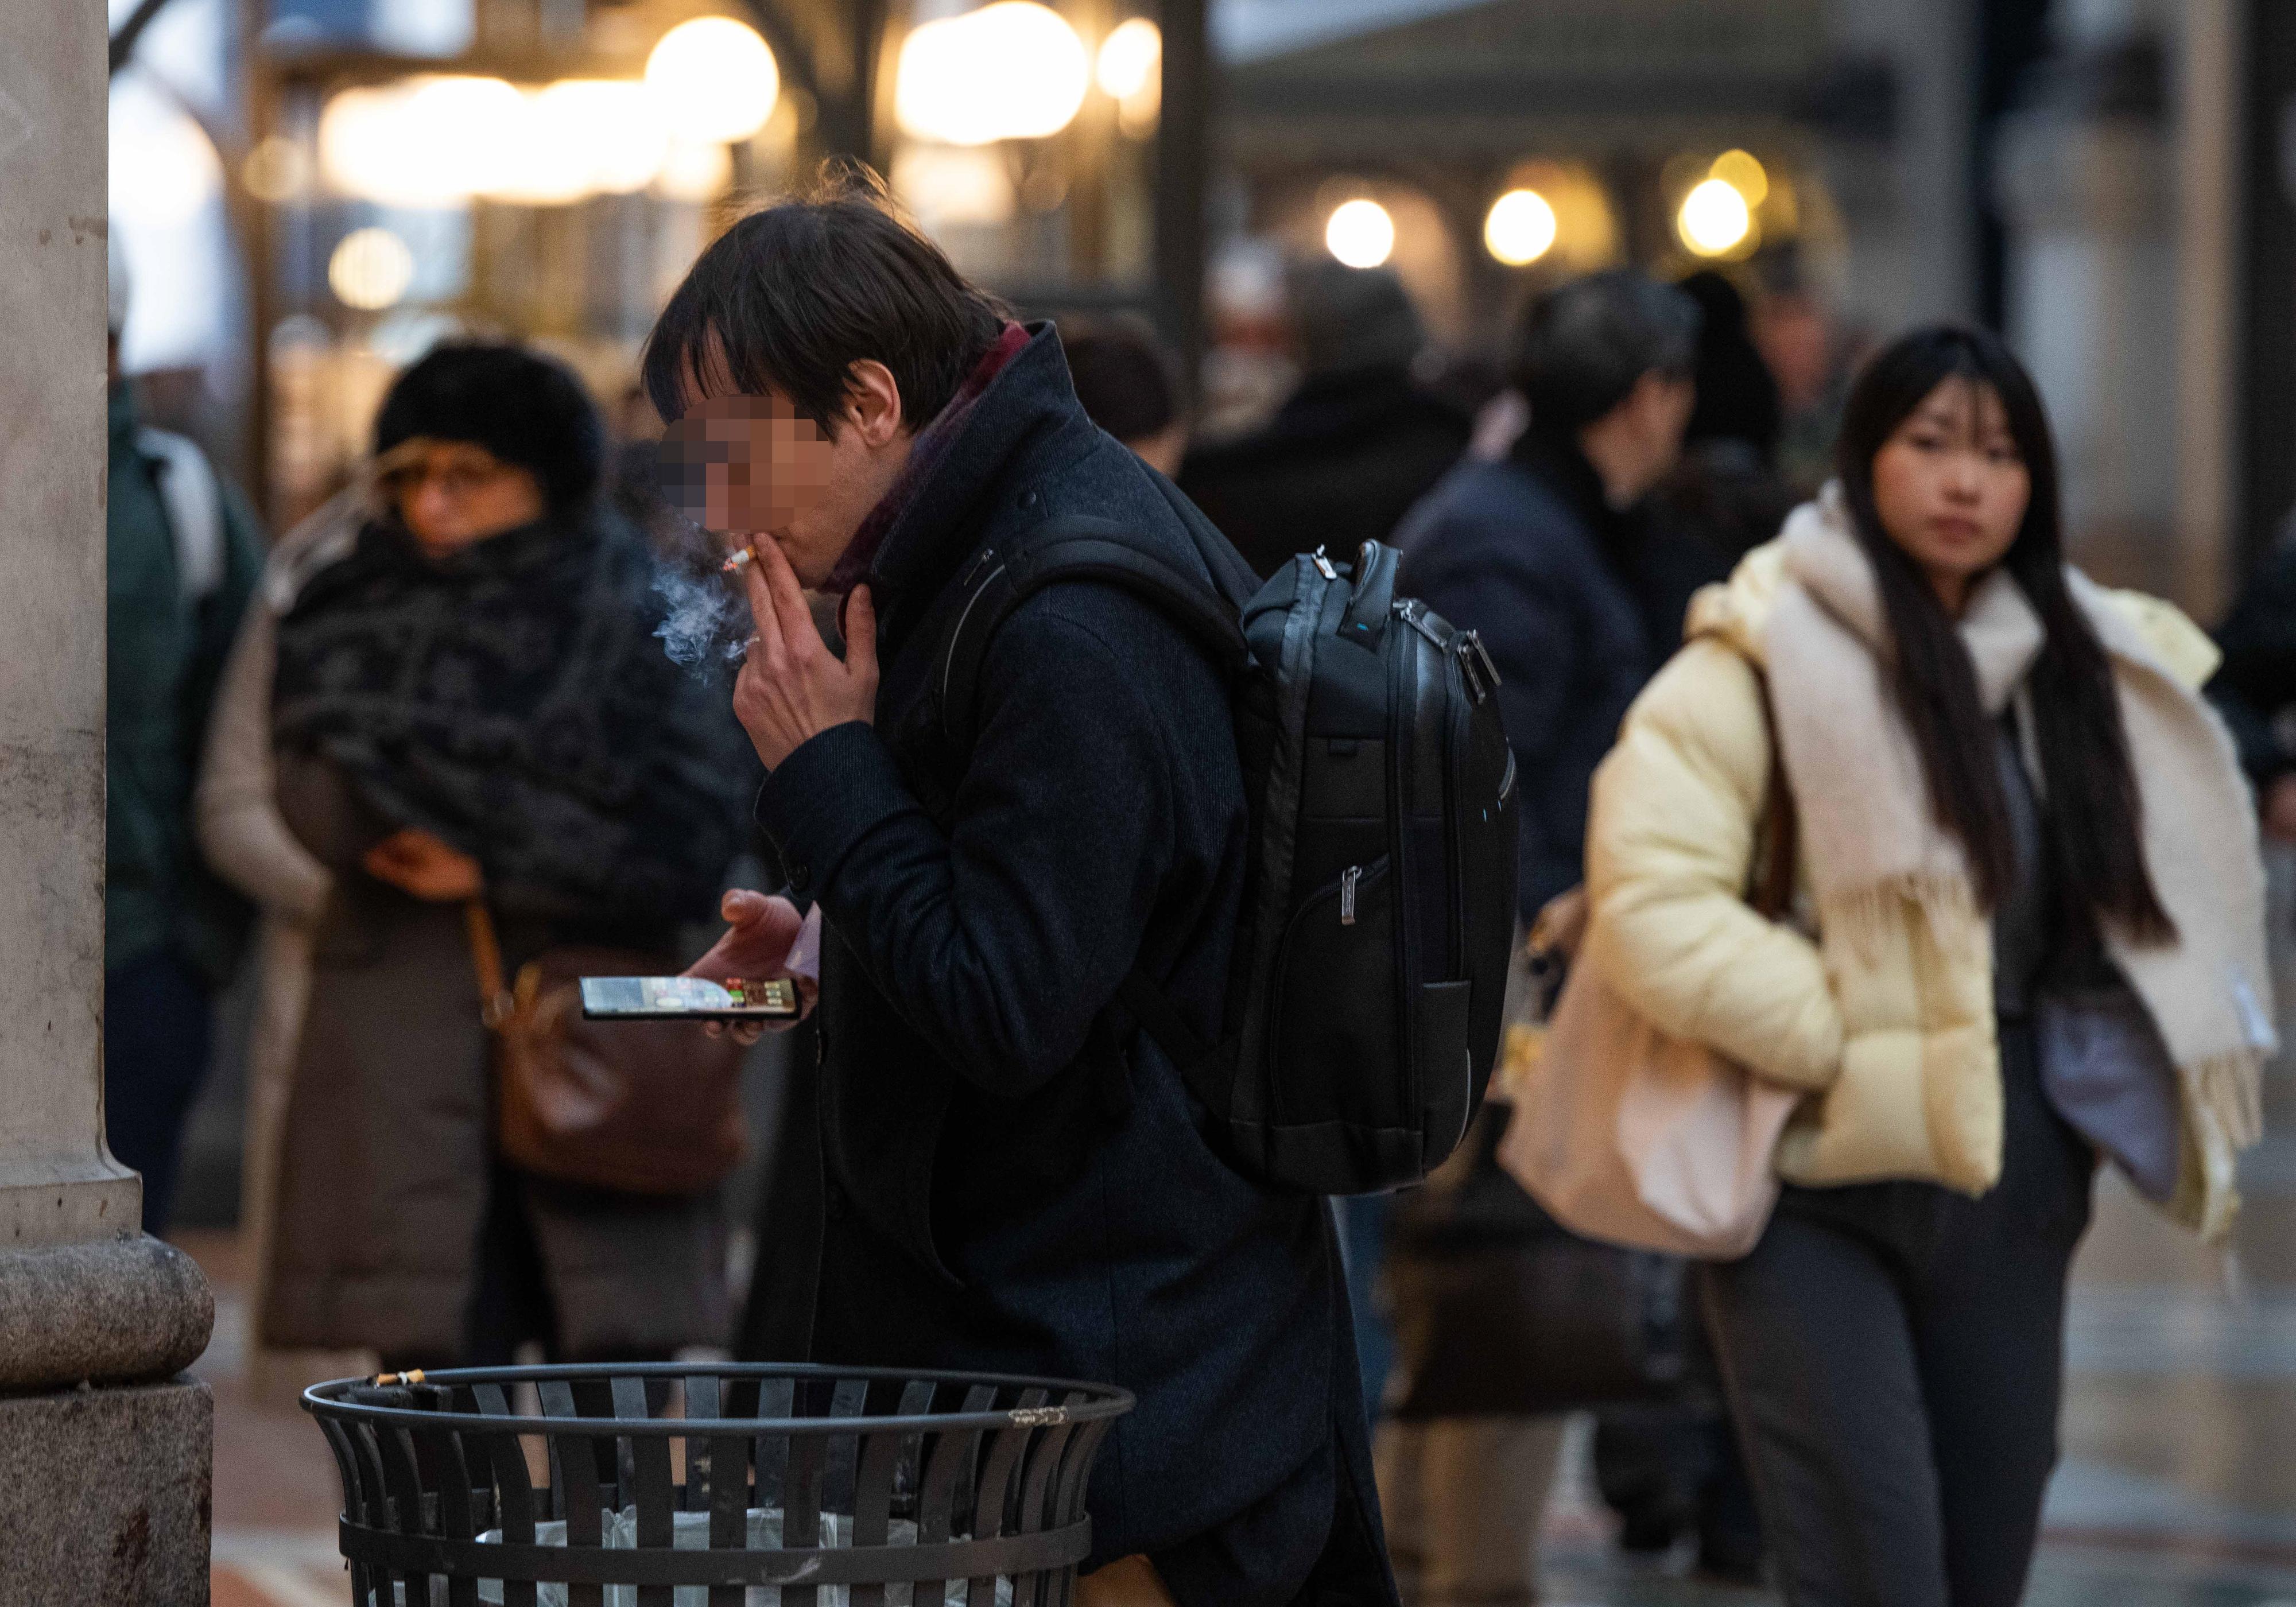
2002 633
1029 398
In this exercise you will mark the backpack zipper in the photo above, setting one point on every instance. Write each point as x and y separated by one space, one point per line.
1348 879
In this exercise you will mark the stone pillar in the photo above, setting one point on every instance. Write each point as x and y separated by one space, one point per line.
105 1448
2207 105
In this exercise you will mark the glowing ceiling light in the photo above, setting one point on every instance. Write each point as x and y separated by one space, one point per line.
1520 228
1129 57
714 78
428 142
1012 70
1714 218
588 136
694 170
370 269
1743 173
1360 233
278 169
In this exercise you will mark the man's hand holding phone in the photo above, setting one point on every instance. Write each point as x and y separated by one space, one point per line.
760 931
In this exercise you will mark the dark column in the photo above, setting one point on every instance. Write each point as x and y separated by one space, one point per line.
2267 336
2012 36
1183 157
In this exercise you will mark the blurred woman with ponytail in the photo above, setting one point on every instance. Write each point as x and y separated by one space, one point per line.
2029 935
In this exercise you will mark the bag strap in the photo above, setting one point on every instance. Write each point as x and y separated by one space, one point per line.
1779 842
494 999
1071 549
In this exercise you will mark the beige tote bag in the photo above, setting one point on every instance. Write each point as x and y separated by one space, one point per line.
1629 1135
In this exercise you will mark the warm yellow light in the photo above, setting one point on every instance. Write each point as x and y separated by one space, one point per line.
1360 233
586 136
428 142
1714 219
370 269
713 78
1743 173
1012 70
1129 57
1520 228
694 170
960 187
278 169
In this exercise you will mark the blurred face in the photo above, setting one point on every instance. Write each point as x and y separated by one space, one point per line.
1638 442
453 494
744 466
1951 486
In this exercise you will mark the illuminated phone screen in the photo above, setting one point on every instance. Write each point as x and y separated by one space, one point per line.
677 998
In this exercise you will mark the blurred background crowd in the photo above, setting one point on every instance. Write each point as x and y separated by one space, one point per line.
1288 245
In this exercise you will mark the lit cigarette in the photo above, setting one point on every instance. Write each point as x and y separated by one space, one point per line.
738 562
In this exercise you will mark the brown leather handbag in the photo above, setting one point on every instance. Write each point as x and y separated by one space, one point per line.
641 1107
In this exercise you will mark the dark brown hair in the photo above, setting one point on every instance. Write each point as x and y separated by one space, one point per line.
2094 809
800 291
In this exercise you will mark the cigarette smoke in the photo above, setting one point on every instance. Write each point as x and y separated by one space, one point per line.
708 623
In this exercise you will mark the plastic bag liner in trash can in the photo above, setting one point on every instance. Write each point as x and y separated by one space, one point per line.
726 1486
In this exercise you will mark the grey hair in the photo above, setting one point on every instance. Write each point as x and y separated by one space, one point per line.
1583 346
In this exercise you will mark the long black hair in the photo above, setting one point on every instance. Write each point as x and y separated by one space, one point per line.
2095 809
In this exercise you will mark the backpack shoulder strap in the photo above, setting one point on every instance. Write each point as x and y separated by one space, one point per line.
1069 549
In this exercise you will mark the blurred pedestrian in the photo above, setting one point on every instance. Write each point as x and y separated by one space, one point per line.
468 704
1358 442
1726 491
2255 688
2029 932
182 550
1549 554
235 809
1812 358
1126 382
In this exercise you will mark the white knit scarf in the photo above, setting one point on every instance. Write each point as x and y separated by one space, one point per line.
1873 841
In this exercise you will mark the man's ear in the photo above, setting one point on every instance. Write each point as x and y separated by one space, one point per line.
873 403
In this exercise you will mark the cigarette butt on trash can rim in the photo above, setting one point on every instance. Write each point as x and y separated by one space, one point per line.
739 562
415 1377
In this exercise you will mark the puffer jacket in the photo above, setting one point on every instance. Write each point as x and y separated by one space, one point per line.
1892 1036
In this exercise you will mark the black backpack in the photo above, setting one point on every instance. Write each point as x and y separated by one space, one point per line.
1364 1002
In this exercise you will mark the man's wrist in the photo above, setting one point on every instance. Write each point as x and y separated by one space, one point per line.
824 797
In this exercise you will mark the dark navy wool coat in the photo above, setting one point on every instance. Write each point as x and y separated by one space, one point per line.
1577 603
1008 1176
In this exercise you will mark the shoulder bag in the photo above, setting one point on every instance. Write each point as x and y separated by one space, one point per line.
1638 1138
639 1107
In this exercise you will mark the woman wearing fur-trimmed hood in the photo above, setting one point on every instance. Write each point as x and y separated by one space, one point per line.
2030 934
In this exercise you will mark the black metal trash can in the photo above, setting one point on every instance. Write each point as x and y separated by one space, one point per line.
668 1485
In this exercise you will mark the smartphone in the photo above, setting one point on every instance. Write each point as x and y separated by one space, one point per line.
688 998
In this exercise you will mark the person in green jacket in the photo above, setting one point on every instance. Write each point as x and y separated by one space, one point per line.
182 555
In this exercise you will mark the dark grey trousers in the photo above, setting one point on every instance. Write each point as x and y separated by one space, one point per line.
1892 1353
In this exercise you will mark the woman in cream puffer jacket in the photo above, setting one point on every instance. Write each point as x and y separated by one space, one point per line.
1984 989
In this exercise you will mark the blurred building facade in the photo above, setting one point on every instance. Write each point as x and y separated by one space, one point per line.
326 187
2110 180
